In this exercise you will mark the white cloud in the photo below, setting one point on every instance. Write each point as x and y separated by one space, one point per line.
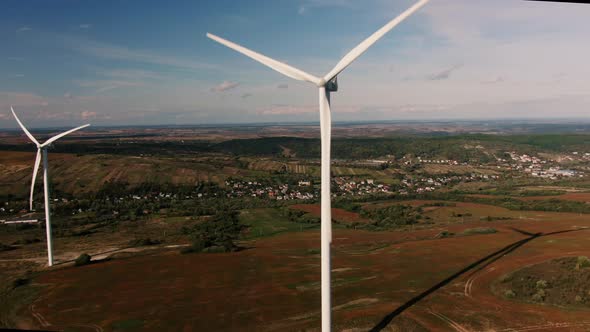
303 109
87 115
110 51
106 85
21 99
496 80
133 74
24 28
287 110
85 26
225 86
312 4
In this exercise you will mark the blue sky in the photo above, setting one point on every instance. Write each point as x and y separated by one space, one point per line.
64 62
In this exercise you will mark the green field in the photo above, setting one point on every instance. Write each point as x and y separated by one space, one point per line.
268 222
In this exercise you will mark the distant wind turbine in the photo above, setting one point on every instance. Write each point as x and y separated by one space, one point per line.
42 149
326 84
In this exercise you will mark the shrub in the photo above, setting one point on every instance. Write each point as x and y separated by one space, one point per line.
506 277
144 242
480 230
583 262
444 234
83 259
5 247
187 250
20 282
539 296
490 218
541 284
216 249
509 294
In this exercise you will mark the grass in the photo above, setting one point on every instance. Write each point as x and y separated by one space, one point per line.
268 222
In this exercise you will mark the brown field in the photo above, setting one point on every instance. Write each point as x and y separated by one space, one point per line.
339 215
266 165
302 169
579 197
460 169
407 280
75 174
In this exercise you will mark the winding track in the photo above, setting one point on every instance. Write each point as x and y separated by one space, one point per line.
476 289
449 321
548 326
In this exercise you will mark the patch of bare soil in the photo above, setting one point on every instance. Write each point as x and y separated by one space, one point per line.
562 282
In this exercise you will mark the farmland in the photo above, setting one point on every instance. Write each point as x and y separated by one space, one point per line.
274 284
426 229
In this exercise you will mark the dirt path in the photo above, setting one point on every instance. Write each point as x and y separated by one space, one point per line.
456 326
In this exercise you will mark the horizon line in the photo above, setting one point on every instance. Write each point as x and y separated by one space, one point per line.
564 120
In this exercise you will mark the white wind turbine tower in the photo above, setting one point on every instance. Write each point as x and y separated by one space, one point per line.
42 149
326 84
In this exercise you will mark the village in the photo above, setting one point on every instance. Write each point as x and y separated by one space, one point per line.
549 169
349 186
306 188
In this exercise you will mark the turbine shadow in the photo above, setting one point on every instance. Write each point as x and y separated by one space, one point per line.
477 265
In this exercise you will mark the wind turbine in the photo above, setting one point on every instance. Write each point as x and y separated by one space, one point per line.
42 149
326 84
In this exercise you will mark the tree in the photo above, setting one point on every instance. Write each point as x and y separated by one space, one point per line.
217 233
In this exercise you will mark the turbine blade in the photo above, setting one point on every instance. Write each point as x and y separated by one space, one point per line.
56 137
35 171
23 127
282 68
362 47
